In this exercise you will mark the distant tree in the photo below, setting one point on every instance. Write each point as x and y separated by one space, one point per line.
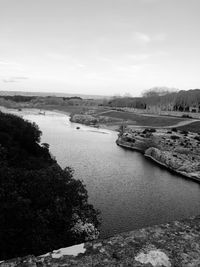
127 94
158 91
187 99
19 98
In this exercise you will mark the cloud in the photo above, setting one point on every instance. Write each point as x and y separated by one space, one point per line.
9 68
139 57
151 1
141 37
8 63
144 38
80 65
14 79
56 56
160 37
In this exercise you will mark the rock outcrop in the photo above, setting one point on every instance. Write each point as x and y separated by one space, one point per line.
177 151
91 119
84 119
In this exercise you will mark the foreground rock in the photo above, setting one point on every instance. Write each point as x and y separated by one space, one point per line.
178 151
166 245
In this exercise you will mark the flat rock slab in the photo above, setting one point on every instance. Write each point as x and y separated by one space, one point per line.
171 244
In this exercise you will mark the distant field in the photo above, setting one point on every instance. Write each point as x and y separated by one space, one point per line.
67 109
192 127
137 119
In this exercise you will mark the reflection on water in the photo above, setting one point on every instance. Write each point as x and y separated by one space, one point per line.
129 190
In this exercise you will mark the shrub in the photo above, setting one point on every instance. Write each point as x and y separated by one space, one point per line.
197 138
174 130
149 130
175 137
184 132
152 130
186 116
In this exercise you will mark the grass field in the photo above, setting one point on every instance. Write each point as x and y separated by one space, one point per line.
192 127
66 109
141 120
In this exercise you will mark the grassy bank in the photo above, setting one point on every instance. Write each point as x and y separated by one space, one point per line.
140 120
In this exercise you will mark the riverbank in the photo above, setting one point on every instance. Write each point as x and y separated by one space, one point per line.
112 120
179 155
177 151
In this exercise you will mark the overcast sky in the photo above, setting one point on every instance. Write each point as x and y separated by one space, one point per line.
103 47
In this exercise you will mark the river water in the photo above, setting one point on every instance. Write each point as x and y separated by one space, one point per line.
130 191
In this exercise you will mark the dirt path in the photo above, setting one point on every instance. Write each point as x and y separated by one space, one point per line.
181 123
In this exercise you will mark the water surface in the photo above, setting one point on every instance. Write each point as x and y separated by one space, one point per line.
130 191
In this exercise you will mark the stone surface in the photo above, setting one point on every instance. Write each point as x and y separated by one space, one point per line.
172 244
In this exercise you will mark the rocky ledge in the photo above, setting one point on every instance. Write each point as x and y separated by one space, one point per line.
179 151
167 245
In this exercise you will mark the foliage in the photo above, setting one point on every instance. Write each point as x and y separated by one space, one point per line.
130 102
158 91
122 129
41 204
184 132
186 116
174 137
149 130
174 129
197 138
19 98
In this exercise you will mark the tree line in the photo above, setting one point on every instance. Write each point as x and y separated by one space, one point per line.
162 97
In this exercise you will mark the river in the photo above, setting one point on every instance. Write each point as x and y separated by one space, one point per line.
130 191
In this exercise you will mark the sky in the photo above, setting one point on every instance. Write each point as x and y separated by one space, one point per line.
100 47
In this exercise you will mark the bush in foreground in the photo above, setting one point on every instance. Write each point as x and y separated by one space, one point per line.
41 206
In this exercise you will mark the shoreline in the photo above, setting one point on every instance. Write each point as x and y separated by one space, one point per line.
113 127
171 170
55 112
161 164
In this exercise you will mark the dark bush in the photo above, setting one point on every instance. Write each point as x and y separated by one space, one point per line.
174 130
184 132
186 116
149 130
197 138
128 139
175 137
40 202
